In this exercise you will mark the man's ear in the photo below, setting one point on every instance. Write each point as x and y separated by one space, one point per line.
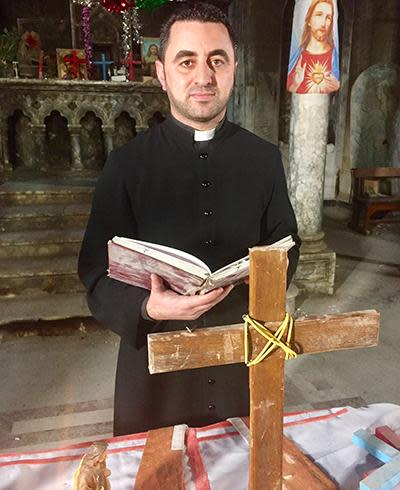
161 74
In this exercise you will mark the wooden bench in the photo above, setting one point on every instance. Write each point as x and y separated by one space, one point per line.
369 206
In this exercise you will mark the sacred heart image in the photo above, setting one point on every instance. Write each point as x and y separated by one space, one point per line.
71 64
314 50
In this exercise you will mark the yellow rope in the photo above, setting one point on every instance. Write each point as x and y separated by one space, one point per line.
273 340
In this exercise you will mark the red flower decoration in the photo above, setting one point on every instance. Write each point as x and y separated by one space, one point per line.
31 41
117 6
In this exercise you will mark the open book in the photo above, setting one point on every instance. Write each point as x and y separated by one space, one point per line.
133 261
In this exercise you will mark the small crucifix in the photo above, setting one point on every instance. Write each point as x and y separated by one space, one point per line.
129 61
104 65
174 351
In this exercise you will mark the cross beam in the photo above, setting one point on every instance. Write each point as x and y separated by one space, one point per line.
173 351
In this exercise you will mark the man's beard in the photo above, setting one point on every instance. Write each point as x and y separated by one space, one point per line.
321 35
199 113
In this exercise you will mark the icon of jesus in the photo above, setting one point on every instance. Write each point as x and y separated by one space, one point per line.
315 70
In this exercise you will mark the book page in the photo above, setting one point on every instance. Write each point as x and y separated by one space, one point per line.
239 270
135 268
169 255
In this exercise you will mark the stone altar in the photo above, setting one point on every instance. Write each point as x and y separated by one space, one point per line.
28 104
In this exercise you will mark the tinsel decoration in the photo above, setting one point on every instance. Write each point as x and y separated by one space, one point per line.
86 39
130 30
118 6
150 4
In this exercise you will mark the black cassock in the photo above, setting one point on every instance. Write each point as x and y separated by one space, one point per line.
213 200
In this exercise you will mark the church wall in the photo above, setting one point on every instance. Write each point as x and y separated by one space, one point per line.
255 103
375 40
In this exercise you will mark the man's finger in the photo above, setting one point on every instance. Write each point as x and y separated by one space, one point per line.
157 284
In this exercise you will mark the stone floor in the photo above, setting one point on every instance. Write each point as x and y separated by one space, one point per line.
57 377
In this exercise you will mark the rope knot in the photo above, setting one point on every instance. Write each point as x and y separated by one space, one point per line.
274 340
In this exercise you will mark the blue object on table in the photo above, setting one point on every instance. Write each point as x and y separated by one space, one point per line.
388 475
103 63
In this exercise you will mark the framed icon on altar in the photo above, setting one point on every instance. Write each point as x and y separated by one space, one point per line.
71 64
150 50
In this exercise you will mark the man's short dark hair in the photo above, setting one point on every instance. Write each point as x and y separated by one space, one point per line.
199 12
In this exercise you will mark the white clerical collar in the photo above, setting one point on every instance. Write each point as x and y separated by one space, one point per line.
204 135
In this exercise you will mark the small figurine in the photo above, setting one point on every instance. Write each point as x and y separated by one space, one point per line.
93 473
15 68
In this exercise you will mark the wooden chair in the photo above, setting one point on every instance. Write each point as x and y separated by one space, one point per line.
370 206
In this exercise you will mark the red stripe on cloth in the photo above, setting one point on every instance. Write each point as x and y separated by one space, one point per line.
199 473
218 436
132 437
218 425
316 419
66 458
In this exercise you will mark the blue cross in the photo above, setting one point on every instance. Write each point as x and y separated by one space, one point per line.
388 475
103 64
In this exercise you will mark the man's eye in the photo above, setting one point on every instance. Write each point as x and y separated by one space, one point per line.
217 62
187 63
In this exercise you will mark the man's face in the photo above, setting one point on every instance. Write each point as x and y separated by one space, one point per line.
198 71
321 21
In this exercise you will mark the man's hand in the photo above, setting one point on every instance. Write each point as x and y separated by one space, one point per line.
165 304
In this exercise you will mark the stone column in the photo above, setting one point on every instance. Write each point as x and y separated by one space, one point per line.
108 132
76 163
5 164
39 136
307 154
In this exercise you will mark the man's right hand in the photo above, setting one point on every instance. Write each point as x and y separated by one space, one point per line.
165 304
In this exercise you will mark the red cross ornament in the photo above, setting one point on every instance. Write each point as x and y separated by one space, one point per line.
74 60
129 61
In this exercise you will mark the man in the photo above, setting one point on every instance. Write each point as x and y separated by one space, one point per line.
312 73
198 183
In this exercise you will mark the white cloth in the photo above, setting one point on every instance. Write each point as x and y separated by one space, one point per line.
217 457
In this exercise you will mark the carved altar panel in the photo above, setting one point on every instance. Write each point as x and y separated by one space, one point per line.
97 115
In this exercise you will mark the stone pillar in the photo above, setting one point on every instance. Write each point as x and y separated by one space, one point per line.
76 163
108 132
39 137
5 165
307 154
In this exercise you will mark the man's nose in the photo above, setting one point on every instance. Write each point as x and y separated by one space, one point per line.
204 74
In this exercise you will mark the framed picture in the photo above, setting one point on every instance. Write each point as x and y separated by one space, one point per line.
150 49
71 64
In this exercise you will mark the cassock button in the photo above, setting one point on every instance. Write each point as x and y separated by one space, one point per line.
205 184
203 156
211 381
211 406
209 242
208 212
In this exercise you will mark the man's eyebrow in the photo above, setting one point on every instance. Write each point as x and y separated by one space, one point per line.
219 52
183 53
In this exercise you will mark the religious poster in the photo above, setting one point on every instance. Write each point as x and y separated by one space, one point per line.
71 64
314 50
150 49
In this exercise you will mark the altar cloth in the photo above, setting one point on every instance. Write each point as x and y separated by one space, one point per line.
219 453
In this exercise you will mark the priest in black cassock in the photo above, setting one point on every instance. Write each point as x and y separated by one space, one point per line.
199 183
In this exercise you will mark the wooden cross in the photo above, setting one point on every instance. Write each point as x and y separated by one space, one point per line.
129 61
74 60
174 351
104 64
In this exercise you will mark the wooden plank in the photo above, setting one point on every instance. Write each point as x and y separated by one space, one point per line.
384 478
161 467
175 351
266 379
386 434
379 449
299 472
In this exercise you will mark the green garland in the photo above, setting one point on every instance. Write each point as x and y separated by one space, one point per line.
150 4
